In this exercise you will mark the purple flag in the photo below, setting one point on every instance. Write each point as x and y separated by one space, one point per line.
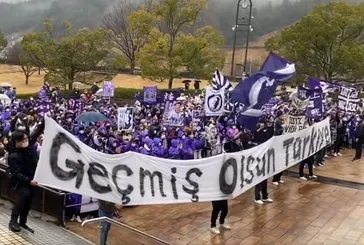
108 89
150 95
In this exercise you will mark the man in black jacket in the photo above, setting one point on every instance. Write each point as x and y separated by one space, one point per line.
359 139
22 160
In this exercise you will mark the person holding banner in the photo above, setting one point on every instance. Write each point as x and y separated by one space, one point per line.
278 130
262 134
22 160
221 206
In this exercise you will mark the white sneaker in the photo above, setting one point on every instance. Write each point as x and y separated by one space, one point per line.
268 200
313 166
225 227
281 181
326 156
260 202
339 154
275 183
335 154
312 177
303 178
73 218
215 231
78 219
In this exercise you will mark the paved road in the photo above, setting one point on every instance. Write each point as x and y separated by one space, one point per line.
45 233
303 212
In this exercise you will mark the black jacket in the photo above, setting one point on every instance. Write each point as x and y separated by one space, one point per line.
23 161
360 130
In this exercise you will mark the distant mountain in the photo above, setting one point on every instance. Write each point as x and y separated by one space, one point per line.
28 15
269 15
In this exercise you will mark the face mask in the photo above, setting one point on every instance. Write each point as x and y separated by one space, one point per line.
183 137
163 137
22 128
133 145
82 132
69 120
234 127
25 144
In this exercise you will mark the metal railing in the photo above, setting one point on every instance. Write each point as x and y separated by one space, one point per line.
44 190
100 219
203 153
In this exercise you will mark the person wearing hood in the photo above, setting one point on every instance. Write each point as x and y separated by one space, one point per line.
158 149
22 162
174 150
147 147
187 152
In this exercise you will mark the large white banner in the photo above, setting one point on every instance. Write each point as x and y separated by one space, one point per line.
134 179
214 102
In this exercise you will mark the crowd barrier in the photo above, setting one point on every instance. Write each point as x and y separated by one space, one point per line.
213 151
45 201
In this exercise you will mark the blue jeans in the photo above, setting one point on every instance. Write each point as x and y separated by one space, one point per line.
105 226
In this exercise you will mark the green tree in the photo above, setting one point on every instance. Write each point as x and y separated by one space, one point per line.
3 41
201 52
77 52
326 43
163 58
129 25
68 57
40 47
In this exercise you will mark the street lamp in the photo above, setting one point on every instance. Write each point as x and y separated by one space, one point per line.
242 4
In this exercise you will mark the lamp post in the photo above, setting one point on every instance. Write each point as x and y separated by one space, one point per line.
241 4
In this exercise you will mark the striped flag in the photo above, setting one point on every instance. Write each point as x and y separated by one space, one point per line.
219 81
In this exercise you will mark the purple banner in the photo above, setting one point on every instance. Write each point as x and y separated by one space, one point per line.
171 96
150 95
108 89
316 108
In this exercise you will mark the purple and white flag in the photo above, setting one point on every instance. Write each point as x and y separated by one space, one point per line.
349 99
150 95
108 89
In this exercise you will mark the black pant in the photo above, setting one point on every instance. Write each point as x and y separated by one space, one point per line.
319 156
24 196
309 162
338 143
277 177
218 206
358 148
262 187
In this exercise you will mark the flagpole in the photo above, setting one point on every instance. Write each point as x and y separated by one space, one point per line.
248 34
235 29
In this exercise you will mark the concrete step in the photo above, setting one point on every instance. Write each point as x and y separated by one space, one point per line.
46 233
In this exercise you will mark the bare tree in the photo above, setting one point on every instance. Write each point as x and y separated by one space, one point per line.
17 56
124 37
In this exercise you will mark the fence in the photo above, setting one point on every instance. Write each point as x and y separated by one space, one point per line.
203 153
45 200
